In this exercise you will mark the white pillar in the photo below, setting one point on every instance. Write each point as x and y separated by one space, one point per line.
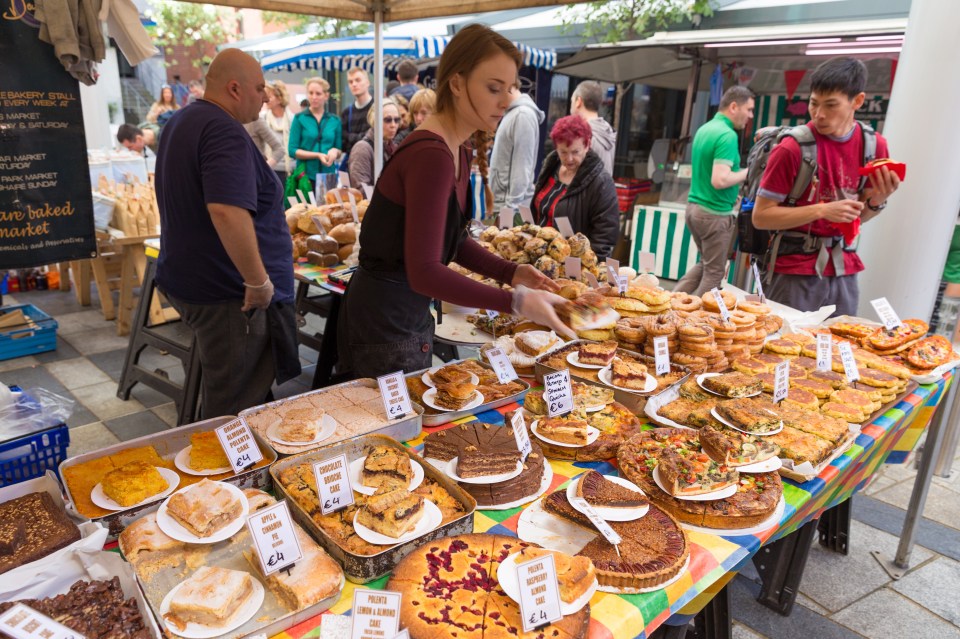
378 85
904 248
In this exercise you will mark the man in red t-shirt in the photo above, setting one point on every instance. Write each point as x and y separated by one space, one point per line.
821 270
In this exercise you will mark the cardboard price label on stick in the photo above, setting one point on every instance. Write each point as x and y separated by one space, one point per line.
849 362
661 353
520 433
526 215
613 271
23 622
572 266
592 280
396 399
275 538
724 313
564 226
646 261
539 592
238 444
757 280
505 219
344 179
824 352
333 484
501 365
376 614
558 393
891 321
781 381
599 522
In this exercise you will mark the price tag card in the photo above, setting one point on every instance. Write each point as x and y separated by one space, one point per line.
781 381
564 226
313 198
572 266
622 282
759 284
521 434
501 365
613 271
539 592
661 353
368 191
849 363
333 484
724 313
319 224
592 280
293 201
376 614
558 393
599 522
526 215
646 261
336 196
492 314
238 444
886 313
393 391
274 537
353 207
344 178
505 219
403 634
23 622
824 352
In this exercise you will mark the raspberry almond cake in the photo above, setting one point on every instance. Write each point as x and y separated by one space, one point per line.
450 589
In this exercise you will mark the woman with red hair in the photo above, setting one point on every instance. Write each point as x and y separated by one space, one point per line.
573 184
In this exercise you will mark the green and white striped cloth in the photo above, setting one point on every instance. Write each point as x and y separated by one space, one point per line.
661 231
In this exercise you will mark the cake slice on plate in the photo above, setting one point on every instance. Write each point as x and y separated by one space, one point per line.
133 482
575 575
385 464
391 511
204 508
597 354
599 491
454 396
210 597
570 429
628 374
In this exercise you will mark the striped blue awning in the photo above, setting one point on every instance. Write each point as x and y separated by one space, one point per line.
344 53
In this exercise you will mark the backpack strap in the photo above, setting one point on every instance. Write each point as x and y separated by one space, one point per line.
869 149
808 161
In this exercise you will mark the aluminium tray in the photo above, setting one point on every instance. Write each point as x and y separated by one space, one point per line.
635 402
167 444
434 417
365 568
401 430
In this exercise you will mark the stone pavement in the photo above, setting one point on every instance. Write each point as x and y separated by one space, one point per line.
841 596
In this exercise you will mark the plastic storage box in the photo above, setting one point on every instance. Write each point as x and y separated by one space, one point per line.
28 340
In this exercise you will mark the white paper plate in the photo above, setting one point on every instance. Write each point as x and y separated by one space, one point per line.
766 524
451 472
200 631
704 376
716 415
606 376
182 462
432 517
428 399
729 491
328 427
173 529
355 470
429 380
610 514
766 466
592 435
507 576
574 358
98 497
545 482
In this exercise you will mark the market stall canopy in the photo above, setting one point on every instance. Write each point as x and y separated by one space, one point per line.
343 53
665 59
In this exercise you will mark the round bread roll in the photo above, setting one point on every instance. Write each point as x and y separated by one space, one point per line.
341 216
342 192
344 234
344 251
300 245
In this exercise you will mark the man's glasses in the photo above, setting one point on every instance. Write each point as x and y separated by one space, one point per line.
392 120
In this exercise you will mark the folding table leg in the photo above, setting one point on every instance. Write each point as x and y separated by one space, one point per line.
781 565
834 528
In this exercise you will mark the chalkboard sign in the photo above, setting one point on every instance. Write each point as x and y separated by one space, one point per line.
46 208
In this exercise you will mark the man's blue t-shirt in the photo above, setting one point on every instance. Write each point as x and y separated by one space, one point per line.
207 157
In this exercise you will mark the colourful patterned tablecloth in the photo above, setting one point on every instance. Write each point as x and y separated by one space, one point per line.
714 559
303 271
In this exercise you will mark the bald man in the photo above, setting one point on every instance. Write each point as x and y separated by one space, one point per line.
225 249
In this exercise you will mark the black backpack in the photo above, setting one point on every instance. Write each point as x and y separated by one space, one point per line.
751 239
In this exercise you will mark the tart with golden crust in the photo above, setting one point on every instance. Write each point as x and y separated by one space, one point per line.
450 589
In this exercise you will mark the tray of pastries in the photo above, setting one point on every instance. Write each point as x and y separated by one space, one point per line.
392 514
455 386
33 523
219 589
327 416
137 475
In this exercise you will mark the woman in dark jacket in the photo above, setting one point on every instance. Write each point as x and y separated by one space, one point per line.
573 184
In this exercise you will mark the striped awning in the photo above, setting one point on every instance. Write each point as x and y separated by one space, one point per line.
344 53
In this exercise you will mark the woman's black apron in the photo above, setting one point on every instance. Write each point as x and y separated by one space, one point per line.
384 325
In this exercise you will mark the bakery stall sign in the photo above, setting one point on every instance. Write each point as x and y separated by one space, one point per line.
46 207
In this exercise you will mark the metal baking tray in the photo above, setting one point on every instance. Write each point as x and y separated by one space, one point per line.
365 568
272 617
635 402
167 444
434 417
402 430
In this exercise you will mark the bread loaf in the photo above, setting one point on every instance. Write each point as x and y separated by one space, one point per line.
322 259
344 234
341 216
293 218
300 245
342 192
344 251
320 244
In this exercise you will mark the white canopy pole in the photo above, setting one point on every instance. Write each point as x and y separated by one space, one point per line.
378 92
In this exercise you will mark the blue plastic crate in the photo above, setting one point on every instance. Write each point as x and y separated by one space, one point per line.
32 456
20 342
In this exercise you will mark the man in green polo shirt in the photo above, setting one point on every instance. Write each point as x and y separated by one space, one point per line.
710 213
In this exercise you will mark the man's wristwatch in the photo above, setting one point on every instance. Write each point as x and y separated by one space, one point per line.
875 209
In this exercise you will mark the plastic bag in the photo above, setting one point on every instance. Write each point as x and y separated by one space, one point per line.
33 410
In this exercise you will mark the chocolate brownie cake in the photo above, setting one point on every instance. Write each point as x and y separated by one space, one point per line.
32 527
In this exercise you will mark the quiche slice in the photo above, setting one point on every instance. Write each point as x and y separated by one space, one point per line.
734 448
734 384
693 473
